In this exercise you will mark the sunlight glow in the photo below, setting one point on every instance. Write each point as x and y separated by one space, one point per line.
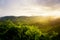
37 11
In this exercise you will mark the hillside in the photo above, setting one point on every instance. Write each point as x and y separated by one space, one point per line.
29 28
43 23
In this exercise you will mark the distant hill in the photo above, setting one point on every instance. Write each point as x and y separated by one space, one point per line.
26 18
43 23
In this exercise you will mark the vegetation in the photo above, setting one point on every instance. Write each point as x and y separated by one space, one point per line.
10 30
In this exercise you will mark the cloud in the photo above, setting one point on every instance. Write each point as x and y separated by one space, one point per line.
15 7
49 3
28 7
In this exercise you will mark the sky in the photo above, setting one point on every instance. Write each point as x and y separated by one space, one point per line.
29 8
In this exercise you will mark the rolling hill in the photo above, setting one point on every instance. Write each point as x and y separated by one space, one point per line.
44 23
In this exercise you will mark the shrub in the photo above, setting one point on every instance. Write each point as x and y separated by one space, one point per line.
10 31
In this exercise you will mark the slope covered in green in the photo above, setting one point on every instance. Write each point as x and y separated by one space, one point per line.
29 28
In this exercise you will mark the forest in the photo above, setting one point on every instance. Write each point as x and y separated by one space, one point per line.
29 28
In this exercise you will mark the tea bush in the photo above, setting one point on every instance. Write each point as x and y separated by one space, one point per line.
11 31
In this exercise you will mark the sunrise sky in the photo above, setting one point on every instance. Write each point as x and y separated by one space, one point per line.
30 7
